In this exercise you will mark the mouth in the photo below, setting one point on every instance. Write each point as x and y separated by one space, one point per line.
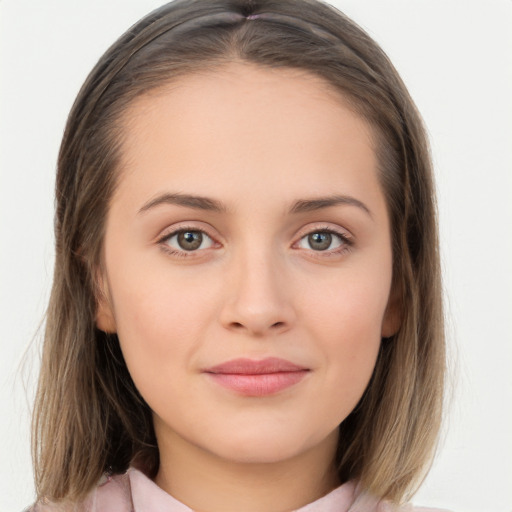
257 378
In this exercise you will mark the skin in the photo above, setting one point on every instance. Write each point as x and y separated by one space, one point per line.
257 141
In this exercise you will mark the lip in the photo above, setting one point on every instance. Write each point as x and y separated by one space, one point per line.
250 377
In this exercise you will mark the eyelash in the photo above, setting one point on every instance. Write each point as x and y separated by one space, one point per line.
163 242
346 242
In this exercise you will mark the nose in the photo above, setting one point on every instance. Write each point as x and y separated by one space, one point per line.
258 297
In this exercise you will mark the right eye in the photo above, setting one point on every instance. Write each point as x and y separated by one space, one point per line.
187 240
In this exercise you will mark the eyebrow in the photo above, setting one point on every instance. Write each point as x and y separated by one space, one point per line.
187 200
309 205
212 205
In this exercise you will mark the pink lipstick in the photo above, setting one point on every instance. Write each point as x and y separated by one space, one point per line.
257 378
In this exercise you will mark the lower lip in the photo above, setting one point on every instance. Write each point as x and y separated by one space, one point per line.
258 384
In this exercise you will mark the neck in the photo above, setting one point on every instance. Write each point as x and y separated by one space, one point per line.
207 483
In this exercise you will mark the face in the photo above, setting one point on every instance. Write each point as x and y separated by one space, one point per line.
248 261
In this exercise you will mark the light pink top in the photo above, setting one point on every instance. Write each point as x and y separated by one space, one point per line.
135 492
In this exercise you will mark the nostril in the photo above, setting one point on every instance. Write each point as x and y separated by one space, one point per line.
239 325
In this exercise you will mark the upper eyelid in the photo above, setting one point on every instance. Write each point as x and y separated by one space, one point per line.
174 230
300 234
172 234
323 227
167 235
345 239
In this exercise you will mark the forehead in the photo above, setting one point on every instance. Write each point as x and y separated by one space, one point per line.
275 129
246 75
243 93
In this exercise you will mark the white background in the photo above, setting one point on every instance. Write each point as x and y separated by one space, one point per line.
455 56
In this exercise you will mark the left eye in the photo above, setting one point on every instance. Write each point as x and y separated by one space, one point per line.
189 240
321 241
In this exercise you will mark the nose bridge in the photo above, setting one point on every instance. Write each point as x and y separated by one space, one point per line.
258 296
259 276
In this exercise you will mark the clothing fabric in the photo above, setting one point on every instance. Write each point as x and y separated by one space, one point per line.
135 492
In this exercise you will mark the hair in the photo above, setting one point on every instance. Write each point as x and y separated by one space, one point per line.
89 417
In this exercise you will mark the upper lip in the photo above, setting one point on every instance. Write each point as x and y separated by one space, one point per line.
244 366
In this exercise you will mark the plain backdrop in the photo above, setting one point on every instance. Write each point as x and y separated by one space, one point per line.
455 57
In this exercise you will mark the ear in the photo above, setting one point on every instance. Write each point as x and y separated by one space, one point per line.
393 315
105 320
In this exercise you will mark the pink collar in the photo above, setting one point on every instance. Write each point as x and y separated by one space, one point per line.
148 497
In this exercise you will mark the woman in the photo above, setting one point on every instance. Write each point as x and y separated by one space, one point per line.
246 308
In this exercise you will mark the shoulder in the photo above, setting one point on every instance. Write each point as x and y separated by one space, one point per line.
384 506
365 502
348 497
111 493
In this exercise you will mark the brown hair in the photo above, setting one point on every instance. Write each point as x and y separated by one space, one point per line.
89 418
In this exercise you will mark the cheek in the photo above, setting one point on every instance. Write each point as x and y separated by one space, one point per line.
350 306
345 319
160 320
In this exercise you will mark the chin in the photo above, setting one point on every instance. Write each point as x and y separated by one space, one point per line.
262 447
259 453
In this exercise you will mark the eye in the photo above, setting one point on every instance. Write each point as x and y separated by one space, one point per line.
324 240
188 240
